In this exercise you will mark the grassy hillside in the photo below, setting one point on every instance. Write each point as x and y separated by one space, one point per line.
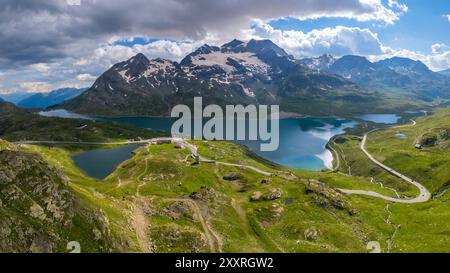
17 124
347 104
160 201
430 164
421 227
38 212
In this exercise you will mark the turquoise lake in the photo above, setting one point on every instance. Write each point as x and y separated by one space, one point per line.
381 118
302 140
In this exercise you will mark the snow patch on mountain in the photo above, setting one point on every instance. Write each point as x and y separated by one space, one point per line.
222 59
125 75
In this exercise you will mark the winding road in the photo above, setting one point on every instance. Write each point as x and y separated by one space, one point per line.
424 194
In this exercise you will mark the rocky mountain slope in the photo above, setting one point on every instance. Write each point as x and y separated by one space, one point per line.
39 213
235 73
396 75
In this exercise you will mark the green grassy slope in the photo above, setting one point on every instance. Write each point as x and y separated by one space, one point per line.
160 201
17 124
429 165
421 227
38 212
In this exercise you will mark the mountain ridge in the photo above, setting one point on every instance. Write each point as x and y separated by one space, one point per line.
44 100
252 72
392 75
238 72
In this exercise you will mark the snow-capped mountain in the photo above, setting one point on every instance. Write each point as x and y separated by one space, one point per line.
408 67
398 75
236 73
322 63
257 72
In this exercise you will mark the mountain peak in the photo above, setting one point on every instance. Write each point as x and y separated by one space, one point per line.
404 65
353 61
321 63
355 58
326 56
232 44
206 49
139 58
265 46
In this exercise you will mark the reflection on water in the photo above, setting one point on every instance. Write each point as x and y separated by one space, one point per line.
302 140
100 163
381 118
64 114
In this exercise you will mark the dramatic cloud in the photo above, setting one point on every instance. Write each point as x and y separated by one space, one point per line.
44 30
448 17
439 59
336 41
339 41
81 72
86 77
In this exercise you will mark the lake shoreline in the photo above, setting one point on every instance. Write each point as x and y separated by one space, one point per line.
303 139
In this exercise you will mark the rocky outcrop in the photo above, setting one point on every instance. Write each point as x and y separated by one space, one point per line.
327 198
205 194
231 177
271 195
38 211
179 209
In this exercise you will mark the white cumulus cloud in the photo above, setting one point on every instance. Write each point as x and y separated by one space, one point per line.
337 41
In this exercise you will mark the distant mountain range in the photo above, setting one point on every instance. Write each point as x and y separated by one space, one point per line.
258 72
395 75
15 97
44 100
238 72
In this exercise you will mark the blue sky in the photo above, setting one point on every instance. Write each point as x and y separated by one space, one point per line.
420 27
70 45
423 25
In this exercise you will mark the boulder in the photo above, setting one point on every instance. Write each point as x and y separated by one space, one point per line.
256 196
205 193
232 176
311 234
274 194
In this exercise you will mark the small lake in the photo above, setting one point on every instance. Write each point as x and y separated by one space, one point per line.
99 163
302 141
401 135
381 118
64 114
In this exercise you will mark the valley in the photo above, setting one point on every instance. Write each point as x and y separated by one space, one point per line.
161 200
363 158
